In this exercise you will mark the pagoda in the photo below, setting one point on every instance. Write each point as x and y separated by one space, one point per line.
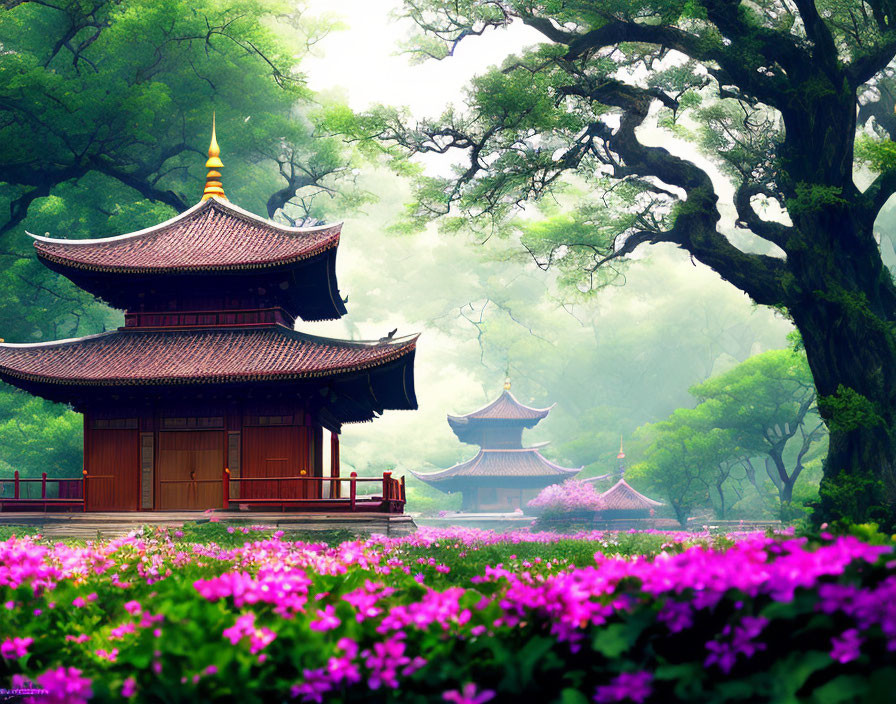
621 501
208 387
504 475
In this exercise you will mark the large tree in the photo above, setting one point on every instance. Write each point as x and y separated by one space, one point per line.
776 91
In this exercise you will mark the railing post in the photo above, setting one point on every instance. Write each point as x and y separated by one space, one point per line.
387 486
15 493
84 488
352 490
226 487
43 489
403 494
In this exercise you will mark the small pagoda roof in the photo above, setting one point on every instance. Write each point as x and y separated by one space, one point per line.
621 497
213 235
188 356
504 409
527 462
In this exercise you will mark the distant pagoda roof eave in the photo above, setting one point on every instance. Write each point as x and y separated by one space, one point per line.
515 463
621 496
504 409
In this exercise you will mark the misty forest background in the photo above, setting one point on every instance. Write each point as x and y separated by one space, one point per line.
105 114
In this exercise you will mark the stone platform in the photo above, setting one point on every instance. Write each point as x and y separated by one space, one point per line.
90 526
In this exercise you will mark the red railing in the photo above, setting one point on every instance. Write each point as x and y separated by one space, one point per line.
392 498
72 493
69 492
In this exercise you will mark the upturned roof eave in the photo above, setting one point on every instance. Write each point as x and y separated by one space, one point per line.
471 465
67 258
530 413
623 485
399 348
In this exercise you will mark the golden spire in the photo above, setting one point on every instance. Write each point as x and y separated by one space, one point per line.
507 384
213 186
621 454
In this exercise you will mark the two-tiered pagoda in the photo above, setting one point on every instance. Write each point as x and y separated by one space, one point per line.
208 377
504 476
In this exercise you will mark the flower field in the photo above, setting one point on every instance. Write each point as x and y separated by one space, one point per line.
450 616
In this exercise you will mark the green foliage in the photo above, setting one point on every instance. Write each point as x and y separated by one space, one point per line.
847 410
38 436
814 198
851 496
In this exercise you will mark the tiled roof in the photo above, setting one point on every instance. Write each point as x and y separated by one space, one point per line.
162 357
502 463
213 235
505 407
622 497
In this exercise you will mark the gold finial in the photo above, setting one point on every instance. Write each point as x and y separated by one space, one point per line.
621 454
507 384
213 186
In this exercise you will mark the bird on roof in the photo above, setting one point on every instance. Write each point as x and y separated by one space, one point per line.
389 336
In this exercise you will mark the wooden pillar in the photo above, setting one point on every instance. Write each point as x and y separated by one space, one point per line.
335 487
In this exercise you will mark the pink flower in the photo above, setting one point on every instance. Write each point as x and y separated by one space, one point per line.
129 688
78 602
468 695
16 647
326 621
119 632
133 608
259 638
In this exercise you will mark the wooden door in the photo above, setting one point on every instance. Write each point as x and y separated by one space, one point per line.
280 451
112 461
190 468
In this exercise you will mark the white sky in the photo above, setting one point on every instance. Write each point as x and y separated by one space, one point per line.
362 60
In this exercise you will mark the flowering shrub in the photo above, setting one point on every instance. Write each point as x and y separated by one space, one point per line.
571 495
434 617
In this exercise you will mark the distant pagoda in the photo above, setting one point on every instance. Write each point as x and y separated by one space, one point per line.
623 502
504 476
208 382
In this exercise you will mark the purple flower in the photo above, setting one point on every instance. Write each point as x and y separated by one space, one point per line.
64 685
627 686
737 641
468 695
315 685
846 647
